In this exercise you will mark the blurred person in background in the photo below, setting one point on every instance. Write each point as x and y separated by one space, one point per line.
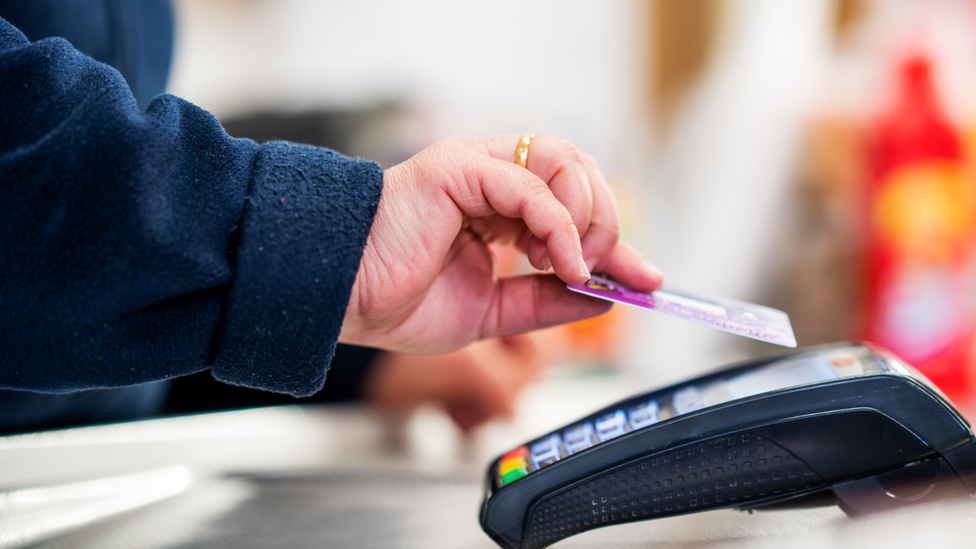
95 312
472 385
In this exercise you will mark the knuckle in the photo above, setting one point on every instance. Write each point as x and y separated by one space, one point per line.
570 153
448 148
610 227
563 152
535 189
440 159
451 143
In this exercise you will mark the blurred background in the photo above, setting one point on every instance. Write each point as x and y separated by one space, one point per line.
810 155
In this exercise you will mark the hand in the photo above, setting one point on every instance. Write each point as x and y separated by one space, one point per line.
477 383
426 282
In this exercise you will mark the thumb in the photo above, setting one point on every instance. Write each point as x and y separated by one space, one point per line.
531 302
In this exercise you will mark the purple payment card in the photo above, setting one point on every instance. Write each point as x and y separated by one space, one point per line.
730 315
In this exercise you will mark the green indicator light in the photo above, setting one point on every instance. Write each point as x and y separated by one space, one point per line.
513 475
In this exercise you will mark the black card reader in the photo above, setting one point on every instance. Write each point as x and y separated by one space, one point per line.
846 424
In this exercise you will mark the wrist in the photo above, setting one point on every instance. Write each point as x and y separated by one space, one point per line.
352 324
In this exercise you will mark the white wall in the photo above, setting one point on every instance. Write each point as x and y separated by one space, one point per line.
571 67
727 178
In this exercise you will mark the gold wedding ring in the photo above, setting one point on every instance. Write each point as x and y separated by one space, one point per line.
522 150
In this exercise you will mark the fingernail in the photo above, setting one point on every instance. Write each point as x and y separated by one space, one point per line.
546 263
584 270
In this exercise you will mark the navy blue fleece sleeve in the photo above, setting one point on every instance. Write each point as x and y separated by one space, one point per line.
142 245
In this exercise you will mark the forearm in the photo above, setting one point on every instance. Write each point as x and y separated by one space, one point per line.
146 245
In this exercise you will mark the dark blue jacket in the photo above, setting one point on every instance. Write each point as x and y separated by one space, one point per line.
140 245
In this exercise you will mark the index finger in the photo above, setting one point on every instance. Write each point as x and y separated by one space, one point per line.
626 265
481 186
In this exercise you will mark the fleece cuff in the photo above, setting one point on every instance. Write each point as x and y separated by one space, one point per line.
306 219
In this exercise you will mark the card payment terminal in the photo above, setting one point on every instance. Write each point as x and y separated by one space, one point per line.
848 424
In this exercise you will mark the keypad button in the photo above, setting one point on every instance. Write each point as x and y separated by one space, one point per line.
644 414
611 426
546 452
521 451
514 475
511 463
687 400
578 438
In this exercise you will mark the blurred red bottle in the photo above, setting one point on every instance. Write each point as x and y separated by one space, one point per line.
922 235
